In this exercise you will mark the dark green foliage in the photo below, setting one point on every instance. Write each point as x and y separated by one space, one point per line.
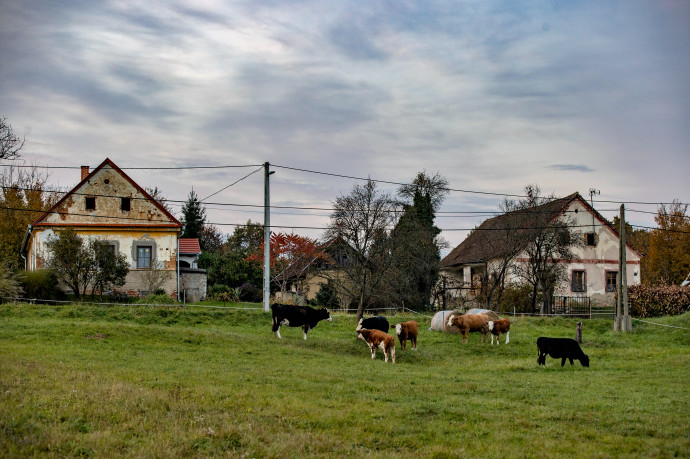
71 261
194 216
229 268
110 268
516 298
250 292
41 284
654 301
327 295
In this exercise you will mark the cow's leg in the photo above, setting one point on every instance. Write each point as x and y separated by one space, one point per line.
305 329
571 361
563 361
276 330
414 344
507 336
402 345
393 354
373 351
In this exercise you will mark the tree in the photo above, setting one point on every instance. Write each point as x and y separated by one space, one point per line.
80 265
669 245
194 216
228 265
640 239
360 221
10 143
547 238
9 284
155 277
72 261
111 268
23 198
291 256
210 239
416 247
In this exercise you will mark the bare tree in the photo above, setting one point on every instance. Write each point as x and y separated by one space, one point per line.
549 239
10 143
155 277
360 223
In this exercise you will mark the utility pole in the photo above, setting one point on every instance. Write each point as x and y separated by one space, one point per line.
592 193
623 321
267 238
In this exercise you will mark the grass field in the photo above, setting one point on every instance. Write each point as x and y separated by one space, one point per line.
161 382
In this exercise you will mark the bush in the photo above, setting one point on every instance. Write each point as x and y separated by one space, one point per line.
517 297
327 296
41 284
250 293
156 299
661 300
9 285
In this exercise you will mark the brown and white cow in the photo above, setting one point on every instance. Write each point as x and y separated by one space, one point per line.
407 330
376 339
471 323
496 327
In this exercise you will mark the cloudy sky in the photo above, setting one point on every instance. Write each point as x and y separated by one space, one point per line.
494 95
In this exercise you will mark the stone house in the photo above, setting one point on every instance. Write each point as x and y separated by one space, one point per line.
107 204
592 273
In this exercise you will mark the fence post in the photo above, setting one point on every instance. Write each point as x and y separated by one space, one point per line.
578 332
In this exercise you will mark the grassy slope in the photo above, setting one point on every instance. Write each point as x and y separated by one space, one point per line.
167 382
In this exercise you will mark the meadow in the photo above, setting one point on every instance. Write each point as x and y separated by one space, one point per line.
133 381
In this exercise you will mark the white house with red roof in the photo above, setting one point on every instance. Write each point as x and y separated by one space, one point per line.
107 204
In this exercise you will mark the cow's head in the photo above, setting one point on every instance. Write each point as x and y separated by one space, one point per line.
491 325
359 324
324 314
363 334
451 321
398 329
585 361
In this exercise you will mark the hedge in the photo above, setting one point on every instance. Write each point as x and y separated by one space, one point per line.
653 301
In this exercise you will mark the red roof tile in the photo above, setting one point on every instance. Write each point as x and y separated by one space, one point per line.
189 246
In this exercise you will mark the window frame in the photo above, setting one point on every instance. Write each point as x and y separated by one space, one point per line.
606 281
578 288
593 237
140 258
90 200
128 205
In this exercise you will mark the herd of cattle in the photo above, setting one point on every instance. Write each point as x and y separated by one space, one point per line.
374 331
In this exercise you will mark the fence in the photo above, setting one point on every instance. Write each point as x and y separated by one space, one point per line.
576 306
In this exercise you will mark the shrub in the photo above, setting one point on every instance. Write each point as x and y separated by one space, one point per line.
250 292
41 284
327 295
9 285
517 297
660 300
217 289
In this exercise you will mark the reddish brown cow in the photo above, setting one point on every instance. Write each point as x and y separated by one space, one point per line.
376 339
471 323
407 330
496 327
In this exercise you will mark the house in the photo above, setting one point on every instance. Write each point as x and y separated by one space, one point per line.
592 273
193 280
107 204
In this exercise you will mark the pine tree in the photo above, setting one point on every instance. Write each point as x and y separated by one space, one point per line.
194 216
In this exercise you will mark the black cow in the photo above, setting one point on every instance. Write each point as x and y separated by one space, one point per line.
373 323
297 316
560 348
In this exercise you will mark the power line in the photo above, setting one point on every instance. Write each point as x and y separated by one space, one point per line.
233 183
135 168
315 227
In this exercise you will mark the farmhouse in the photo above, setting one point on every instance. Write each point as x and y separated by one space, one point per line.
107 204
592 273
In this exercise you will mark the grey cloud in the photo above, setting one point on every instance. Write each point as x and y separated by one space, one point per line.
571 168
355 42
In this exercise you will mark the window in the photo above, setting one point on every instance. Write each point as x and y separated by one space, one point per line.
91 203
143 257
125 204
611 281
578 281
590 239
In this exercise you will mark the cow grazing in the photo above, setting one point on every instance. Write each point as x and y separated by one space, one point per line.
496 327
405 331
470 323
376 339
560 348
373 323
297 316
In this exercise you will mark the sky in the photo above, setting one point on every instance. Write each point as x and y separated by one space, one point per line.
493 95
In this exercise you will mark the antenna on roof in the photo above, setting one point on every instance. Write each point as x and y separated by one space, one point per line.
592 193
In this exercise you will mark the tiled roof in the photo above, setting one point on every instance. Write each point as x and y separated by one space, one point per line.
190 246
495 236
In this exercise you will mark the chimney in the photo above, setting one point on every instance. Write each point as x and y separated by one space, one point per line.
84 172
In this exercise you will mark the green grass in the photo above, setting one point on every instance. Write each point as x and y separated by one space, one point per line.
165 382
